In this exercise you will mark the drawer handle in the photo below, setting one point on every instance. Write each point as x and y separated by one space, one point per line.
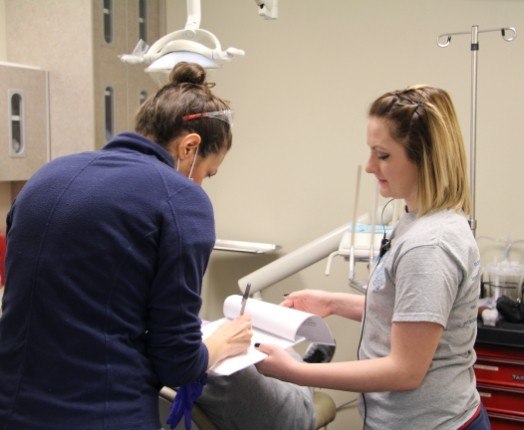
486 367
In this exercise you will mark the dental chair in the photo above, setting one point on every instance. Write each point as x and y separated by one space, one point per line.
324 405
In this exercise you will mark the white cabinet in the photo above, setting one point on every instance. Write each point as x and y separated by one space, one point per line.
24 119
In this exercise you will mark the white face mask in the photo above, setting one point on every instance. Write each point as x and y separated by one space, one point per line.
192 165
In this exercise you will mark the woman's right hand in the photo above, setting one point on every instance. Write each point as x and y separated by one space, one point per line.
231 338
313 301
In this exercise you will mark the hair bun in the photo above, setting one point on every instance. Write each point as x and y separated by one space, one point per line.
190 73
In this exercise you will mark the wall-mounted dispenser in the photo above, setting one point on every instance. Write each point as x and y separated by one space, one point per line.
17 147
24 120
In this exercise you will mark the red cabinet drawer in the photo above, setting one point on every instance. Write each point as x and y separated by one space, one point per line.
502 400
500 381
499 352
505 422
500 366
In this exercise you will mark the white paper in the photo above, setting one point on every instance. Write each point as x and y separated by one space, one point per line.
272 324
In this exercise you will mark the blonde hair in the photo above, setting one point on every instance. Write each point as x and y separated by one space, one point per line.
424 121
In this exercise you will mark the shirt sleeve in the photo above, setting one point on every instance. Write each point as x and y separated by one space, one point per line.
174 328
427 281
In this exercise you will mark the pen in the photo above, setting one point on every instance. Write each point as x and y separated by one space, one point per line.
244 299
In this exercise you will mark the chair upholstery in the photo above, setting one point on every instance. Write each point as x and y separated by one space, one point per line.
325 409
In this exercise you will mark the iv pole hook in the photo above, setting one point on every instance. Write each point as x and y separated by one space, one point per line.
444 40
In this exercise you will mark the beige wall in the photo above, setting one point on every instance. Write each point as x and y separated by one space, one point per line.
300 97
2 31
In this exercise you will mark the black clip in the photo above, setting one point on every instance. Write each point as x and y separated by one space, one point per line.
385 244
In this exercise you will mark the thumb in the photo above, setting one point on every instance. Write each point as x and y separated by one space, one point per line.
286 303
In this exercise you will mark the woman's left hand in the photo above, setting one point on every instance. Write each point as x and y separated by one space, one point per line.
279 363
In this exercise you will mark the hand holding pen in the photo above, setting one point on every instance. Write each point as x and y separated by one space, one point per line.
232 337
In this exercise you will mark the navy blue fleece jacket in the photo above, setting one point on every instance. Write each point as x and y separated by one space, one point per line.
106 255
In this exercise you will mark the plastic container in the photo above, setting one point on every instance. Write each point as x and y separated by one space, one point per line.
505 279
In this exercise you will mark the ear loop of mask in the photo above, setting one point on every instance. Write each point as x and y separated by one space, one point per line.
192 165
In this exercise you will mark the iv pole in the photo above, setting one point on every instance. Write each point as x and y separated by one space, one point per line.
443 41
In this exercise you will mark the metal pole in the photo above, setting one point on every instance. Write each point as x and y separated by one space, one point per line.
473 125
443 41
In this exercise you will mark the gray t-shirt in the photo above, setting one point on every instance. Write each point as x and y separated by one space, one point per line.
430 274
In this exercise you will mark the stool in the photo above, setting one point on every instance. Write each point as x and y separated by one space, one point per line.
325 410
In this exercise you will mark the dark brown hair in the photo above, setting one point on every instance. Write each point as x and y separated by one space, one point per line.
187 92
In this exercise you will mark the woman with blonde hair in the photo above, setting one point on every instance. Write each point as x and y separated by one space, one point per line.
418 317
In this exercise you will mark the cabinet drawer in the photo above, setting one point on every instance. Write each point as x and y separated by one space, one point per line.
505 422
500 367
502 400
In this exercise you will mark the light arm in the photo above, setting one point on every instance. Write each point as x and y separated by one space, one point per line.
193 15
267 8
294 261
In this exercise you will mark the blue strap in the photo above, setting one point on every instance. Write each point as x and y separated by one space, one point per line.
183 404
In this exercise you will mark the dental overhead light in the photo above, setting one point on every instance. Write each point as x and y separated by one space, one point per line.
192 44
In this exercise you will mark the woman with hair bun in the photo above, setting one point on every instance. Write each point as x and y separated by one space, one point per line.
106 255
418 317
